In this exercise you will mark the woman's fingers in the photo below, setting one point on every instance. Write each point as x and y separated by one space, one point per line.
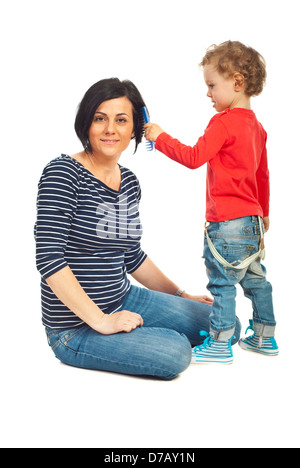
130 320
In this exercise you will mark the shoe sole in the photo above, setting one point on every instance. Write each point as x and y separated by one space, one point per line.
196 360
246 347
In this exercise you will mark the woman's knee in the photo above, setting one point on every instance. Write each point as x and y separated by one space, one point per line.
176 355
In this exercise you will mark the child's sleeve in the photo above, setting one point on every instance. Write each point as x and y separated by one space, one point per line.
206 148
263 183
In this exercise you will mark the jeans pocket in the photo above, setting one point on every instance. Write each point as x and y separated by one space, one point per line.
56 338
235 254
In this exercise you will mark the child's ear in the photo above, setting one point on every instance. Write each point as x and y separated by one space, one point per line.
239 81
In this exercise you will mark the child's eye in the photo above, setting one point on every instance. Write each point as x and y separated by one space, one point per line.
211 86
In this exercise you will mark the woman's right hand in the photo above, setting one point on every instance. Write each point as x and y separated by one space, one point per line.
123 321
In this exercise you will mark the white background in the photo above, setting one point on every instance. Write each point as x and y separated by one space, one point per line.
51 53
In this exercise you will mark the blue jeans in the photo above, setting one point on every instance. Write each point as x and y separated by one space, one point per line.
161 348
235 240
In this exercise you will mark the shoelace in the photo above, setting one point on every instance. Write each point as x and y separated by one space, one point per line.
208 342
205 343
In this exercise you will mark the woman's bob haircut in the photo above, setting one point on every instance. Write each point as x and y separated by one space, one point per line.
104 90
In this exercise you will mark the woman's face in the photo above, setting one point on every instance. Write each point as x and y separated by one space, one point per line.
112 127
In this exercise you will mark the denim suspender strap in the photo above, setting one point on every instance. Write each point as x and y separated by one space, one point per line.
245 263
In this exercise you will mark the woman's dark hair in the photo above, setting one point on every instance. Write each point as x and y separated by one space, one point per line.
101 91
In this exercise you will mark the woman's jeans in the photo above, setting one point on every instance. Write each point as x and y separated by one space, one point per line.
161 347
235 240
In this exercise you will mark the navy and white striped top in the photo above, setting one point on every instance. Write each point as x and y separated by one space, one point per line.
83 223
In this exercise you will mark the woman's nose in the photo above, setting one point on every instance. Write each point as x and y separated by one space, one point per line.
110 126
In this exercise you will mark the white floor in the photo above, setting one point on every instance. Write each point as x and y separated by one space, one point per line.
252 403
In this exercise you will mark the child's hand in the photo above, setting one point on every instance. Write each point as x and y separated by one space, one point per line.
152 131
266 222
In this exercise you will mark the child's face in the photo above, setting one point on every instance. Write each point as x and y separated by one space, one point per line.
221 90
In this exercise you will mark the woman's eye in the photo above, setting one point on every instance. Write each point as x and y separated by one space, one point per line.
102 119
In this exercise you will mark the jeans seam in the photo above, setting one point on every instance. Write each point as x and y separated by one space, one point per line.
235 236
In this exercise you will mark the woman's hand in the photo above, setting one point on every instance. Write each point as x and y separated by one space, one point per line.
123 321
149 275
203 299
152 131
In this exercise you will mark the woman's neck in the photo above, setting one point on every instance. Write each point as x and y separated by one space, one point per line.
108 171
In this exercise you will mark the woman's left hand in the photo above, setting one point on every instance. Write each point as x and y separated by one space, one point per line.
203 299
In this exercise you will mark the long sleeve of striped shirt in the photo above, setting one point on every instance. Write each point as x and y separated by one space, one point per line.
90 227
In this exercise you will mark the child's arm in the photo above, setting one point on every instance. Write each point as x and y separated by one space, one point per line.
192 157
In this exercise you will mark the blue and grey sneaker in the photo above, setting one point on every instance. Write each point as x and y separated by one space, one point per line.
212 352
259 344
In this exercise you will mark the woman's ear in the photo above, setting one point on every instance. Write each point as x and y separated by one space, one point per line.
239 81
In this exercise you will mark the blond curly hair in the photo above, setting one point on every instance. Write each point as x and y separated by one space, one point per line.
232 57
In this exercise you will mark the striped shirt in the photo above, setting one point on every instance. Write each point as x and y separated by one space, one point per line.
96 230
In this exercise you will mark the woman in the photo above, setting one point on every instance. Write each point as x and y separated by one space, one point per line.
88 236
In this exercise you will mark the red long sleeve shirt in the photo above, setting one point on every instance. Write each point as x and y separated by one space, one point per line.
234 148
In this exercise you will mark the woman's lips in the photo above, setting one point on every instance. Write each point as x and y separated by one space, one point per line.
110 142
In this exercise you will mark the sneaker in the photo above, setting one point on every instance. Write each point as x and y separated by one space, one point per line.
211 351
259 344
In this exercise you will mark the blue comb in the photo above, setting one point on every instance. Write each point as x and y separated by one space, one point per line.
149 144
